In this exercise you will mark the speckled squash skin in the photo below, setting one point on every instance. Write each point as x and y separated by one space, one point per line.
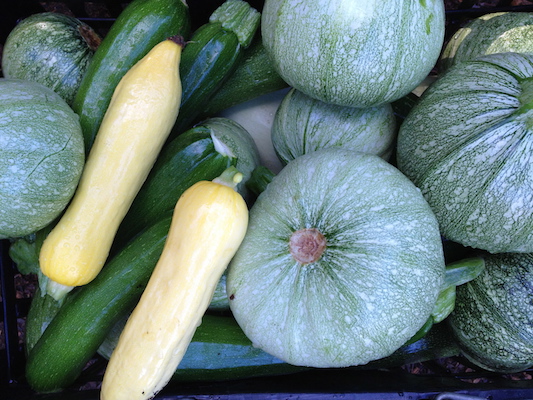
355 298
492 320
467 145
303 124
488 34
52 49
41 156
353 52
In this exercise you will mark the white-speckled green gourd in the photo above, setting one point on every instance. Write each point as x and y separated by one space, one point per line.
342 262
467 145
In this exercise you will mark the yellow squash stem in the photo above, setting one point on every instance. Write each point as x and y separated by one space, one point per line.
142 111
208 225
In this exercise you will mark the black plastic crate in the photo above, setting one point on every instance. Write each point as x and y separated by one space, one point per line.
450 379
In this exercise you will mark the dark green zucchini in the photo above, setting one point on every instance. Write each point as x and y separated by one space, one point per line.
211 56
139 27
220 351
254 76
200 153
89 312
187 159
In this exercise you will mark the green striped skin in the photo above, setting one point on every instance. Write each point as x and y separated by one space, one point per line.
303 124
467 145
374 285
488 34
41 156
139 27
493 319
353 52
52 49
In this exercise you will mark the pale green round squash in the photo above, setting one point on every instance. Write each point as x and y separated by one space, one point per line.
468 145
342 262
303 124
493 316
355 53
498 32
50 48
41 156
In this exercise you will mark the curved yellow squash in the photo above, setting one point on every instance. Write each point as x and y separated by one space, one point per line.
208 225
143 109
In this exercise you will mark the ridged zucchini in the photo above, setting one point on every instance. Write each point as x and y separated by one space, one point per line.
136 124
138 28
211 56
90 311
208 225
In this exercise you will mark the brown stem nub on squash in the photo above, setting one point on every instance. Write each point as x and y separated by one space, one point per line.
307 245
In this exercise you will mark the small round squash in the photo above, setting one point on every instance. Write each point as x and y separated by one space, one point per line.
52 49
493 316
303 124
41 156
342 262
467 144
356 53
491 33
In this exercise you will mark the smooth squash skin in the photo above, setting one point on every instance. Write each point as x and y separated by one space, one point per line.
492 320
355 53
135 127
467 145
138 28
342 262
208 225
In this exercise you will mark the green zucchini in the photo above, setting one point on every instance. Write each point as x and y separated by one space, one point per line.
141 25
187 159
211 56
202 152
220 351
254 76
89 312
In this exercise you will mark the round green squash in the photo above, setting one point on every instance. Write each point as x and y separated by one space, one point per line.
342 262
467 144
491 33
493 316
303 124
52 49
355 53
41 156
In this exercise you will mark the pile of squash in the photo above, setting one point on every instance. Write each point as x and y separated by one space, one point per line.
160 206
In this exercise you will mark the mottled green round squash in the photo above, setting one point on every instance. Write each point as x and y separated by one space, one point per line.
355 53
468 145
41 156
303 124
491 33
342 262
493 316
52 49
